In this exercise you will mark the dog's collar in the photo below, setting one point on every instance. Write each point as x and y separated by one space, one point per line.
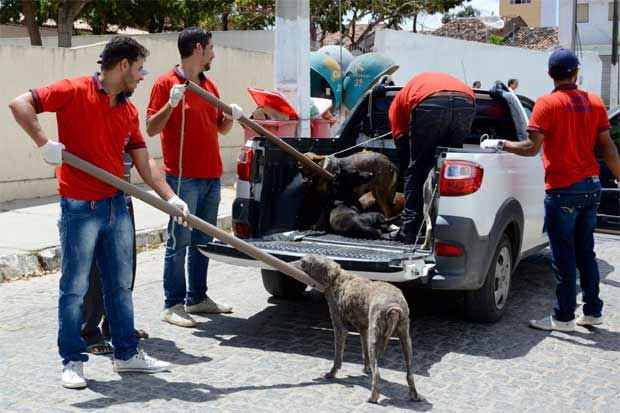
332 165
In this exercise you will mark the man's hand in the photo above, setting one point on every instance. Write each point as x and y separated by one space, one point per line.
177 202
237 112
52 152
176 94
494 144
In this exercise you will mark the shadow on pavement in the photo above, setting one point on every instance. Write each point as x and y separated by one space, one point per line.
120 391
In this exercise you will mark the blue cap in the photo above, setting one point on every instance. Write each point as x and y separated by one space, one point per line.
562 62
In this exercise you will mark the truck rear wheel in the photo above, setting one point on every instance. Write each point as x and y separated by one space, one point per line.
281 285
489 302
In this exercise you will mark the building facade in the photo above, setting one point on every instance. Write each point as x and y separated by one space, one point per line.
537 13
593 32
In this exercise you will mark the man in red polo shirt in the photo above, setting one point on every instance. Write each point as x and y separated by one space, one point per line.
433 109
97 122
569 123
189 128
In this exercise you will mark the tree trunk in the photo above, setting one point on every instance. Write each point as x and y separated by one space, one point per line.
225 21
415 23
67 11
29 8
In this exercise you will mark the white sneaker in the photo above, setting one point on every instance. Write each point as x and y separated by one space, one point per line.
73 375
140 363
208 306
587 320
550 324
177 316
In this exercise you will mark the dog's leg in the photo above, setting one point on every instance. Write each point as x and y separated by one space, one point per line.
406 346
373 350
364 338
340 337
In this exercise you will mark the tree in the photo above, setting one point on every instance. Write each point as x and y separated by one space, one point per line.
392 13
468 11
68 10
29 8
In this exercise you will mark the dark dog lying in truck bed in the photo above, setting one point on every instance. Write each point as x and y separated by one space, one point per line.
376 309
349 221
357 174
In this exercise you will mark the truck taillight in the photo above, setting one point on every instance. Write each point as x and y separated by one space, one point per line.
244 164
242 230
459 178
444 249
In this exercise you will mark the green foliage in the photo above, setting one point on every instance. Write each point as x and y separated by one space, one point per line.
495 39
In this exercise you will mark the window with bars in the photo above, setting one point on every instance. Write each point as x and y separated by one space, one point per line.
583 13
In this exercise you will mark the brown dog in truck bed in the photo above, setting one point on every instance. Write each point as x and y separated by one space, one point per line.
377 309
375 170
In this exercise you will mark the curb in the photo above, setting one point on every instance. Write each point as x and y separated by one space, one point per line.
40 262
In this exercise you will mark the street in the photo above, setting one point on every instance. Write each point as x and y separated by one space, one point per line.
269 355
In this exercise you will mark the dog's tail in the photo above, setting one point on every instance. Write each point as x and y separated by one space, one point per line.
394 315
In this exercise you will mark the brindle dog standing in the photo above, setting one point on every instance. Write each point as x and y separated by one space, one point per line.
377 309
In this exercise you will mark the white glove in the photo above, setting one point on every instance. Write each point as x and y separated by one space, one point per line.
494 144
52 152
176 94
177 202
237 111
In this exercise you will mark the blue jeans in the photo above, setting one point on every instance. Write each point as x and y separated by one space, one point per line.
203 199
102 231
570 218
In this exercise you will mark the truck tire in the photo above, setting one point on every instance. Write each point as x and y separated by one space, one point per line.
489 302
281 285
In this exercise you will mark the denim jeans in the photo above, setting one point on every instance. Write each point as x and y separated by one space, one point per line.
102 231
440 120
570 218
203 199
96 327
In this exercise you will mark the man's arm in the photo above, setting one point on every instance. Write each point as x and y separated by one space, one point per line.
529 147
149 171
157 122
25 114
226 125
610 153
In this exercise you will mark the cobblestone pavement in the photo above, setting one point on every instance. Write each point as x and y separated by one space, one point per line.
269 355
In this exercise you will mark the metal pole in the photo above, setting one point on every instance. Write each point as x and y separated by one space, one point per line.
315 168
573 30
192 220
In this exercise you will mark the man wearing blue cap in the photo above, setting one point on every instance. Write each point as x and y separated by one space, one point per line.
571 123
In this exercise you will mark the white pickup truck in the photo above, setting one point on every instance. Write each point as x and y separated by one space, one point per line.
490 210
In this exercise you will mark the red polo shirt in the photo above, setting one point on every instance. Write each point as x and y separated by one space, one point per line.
415 91
90 129
571 120
201 148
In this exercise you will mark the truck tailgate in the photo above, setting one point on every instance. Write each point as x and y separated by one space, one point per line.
371 256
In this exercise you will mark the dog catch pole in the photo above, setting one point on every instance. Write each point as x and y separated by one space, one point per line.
316 169
192 220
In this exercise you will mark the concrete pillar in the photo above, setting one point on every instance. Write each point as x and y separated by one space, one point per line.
613 85
292 57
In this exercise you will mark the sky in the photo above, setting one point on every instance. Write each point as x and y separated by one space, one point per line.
486 7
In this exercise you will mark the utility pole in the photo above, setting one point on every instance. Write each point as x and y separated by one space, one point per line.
292 57
613 92
573 20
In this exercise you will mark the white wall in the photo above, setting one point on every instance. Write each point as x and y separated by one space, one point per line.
549 13
22 172
470 61
597 31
